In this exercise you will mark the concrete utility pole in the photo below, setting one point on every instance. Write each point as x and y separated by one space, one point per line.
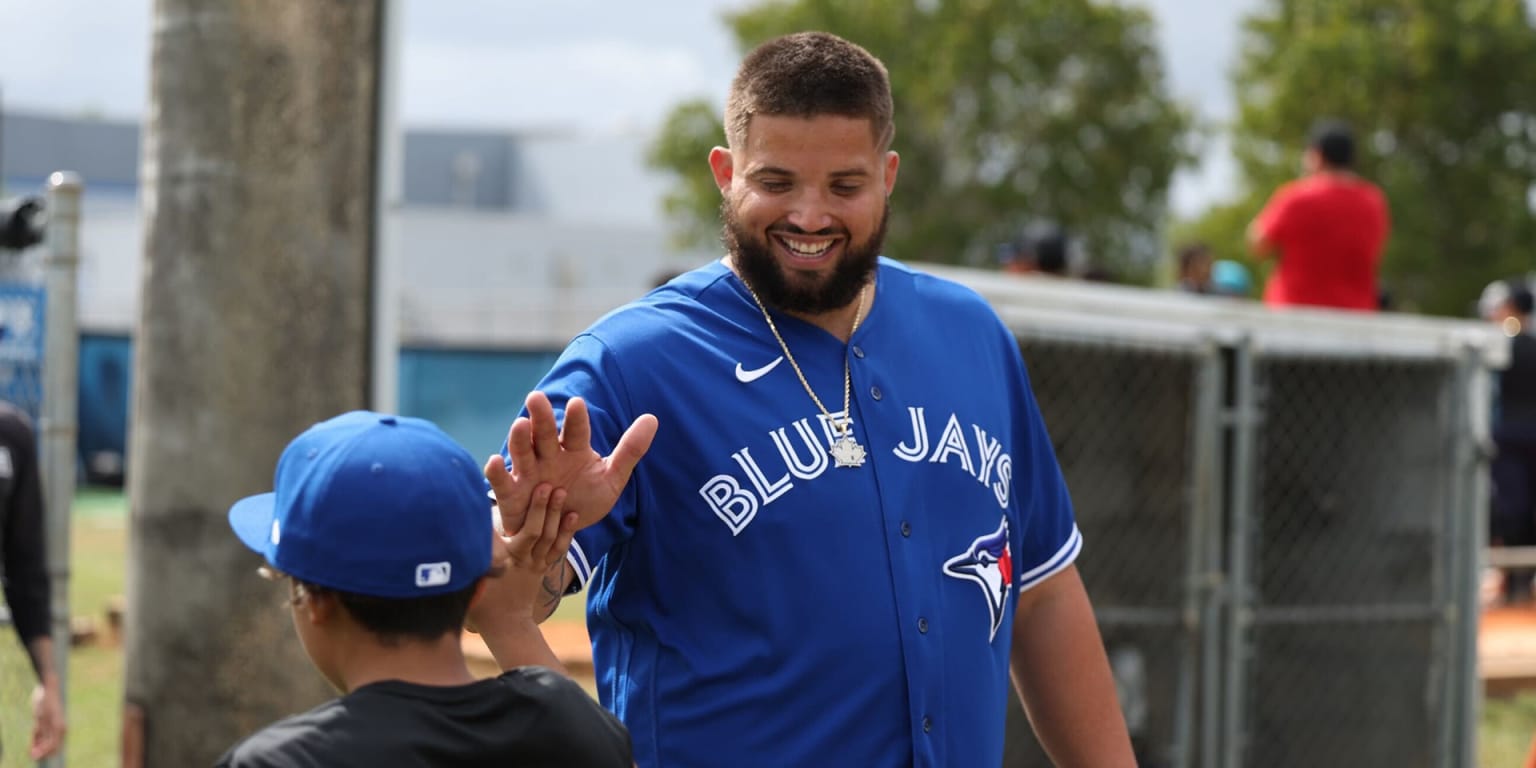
257 185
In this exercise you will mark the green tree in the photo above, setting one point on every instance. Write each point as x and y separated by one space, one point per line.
1442 96
1005 112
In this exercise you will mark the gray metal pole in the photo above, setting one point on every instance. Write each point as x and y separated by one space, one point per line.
389 193
1201 568
1246 418
1471 479
61 362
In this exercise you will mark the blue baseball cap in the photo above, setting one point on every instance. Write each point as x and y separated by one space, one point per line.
1230 278
373 504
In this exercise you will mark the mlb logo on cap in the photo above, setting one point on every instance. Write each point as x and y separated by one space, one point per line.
373 504
433 574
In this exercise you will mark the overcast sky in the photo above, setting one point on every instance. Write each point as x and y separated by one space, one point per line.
591 65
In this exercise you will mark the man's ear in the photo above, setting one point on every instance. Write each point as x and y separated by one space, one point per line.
721 164
892 163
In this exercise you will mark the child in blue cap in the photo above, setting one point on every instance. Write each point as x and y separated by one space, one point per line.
381 527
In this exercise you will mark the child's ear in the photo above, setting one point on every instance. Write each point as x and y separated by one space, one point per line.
474 599
318 609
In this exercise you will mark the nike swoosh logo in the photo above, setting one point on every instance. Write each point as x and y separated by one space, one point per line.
747 377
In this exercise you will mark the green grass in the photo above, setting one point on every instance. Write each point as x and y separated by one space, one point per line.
1504 735
99 542
99 551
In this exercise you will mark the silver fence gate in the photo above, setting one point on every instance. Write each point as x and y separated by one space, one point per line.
1282 514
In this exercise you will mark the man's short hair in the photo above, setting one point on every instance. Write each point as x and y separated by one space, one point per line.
1334 142
810 74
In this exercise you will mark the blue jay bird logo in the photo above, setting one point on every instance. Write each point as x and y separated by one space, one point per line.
988 563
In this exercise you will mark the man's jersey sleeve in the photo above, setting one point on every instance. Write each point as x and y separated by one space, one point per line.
1049 538
587 369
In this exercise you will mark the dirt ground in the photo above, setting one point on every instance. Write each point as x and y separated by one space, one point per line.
1506 649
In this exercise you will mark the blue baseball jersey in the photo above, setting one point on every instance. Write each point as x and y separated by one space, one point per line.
750 603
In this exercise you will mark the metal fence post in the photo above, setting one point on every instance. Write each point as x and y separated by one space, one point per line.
1469 502
1245 418
1203 596
60 402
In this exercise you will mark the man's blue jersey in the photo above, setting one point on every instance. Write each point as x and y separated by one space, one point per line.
750 603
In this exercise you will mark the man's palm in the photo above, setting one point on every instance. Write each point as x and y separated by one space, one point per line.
541 452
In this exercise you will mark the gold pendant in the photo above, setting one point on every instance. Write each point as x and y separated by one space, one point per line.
847 452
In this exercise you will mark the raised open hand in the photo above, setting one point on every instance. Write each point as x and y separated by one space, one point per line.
541 452
515 595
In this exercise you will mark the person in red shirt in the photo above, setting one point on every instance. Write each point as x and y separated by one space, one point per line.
1326 229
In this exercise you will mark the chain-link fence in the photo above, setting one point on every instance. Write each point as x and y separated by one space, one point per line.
1124 418
1280 514
1350 589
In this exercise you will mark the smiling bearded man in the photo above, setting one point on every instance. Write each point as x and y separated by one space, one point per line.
850 527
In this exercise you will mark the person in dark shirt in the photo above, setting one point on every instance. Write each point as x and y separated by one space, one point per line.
381 528
1514 435
25 565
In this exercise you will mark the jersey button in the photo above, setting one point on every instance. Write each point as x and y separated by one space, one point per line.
875 393
906 528
922 625
927 724
858 352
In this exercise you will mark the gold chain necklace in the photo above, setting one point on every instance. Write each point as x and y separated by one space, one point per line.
845 451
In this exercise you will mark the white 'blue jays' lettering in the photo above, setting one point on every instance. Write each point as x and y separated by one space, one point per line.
736 503
952 443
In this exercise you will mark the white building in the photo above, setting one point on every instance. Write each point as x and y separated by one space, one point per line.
509 244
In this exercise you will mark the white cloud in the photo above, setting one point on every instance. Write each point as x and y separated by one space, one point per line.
591 84
75 56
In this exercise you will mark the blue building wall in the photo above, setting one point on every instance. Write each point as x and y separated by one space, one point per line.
106 377
472 394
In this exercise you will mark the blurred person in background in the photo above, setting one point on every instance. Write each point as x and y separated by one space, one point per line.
1012 259
1325 230
1047 246
1513 470
1041 249
25 567
1231 278
1195 268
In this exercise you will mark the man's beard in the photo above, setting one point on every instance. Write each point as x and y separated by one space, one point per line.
753 256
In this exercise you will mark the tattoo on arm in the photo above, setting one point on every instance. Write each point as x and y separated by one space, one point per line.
552 588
